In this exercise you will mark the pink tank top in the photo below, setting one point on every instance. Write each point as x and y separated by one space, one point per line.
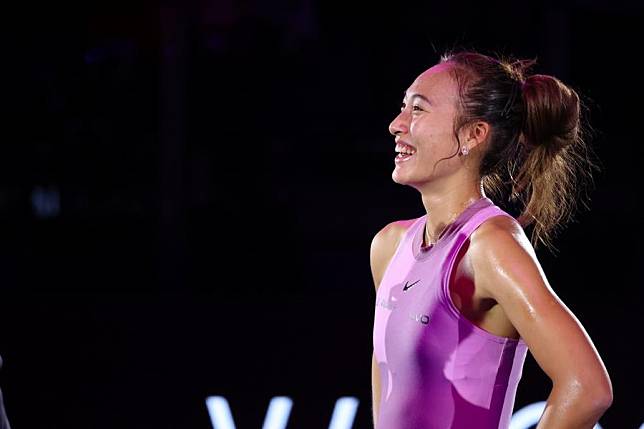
437 369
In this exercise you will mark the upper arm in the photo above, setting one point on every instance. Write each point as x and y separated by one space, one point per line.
375 388
506 268
383 247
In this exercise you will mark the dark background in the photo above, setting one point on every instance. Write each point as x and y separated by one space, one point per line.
188 193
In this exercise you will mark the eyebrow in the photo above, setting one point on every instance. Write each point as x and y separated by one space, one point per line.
421 96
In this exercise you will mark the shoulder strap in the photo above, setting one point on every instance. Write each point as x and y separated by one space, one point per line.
479 217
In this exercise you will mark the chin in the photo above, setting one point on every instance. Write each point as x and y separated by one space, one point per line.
400 179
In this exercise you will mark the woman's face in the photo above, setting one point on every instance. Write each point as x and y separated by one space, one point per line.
425 123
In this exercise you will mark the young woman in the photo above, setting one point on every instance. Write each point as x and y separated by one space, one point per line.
460 294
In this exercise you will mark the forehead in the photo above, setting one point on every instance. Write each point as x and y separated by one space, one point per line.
435 83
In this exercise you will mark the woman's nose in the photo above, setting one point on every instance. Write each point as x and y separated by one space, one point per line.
398 125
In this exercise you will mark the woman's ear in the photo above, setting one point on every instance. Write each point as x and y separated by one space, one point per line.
477 133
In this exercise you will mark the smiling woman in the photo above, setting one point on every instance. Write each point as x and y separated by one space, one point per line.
460 294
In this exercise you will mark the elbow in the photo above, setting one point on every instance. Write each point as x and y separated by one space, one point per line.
596 404
603 399
602 393
599 398
594 397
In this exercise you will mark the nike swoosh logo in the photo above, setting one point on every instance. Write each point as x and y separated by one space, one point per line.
407 286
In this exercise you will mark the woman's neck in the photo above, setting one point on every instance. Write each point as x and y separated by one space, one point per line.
442 210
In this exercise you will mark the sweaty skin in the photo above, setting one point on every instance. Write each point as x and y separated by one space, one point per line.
496 289
507 270
434 367
564 402
383 246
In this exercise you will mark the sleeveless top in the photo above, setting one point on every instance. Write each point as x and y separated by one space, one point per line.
437 369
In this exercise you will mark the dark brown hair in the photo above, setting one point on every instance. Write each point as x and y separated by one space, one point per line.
536 154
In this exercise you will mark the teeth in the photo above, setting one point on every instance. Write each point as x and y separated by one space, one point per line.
405 149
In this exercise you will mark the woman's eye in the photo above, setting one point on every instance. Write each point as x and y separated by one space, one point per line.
413 108
416 108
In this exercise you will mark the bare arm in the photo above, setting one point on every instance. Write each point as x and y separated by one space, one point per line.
375 389
506 268
383 246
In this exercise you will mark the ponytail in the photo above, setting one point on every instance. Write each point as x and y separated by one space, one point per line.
556 159
537 155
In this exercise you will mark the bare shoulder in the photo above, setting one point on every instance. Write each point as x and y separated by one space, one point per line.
500 245
501 231
383 247
507 270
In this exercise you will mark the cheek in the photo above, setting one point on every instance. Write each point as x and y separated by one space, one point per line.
433 134
436 122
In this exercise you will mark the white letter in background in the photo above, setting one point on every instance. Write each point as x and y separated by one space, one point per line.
277 415
219 412
279 410
344 413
